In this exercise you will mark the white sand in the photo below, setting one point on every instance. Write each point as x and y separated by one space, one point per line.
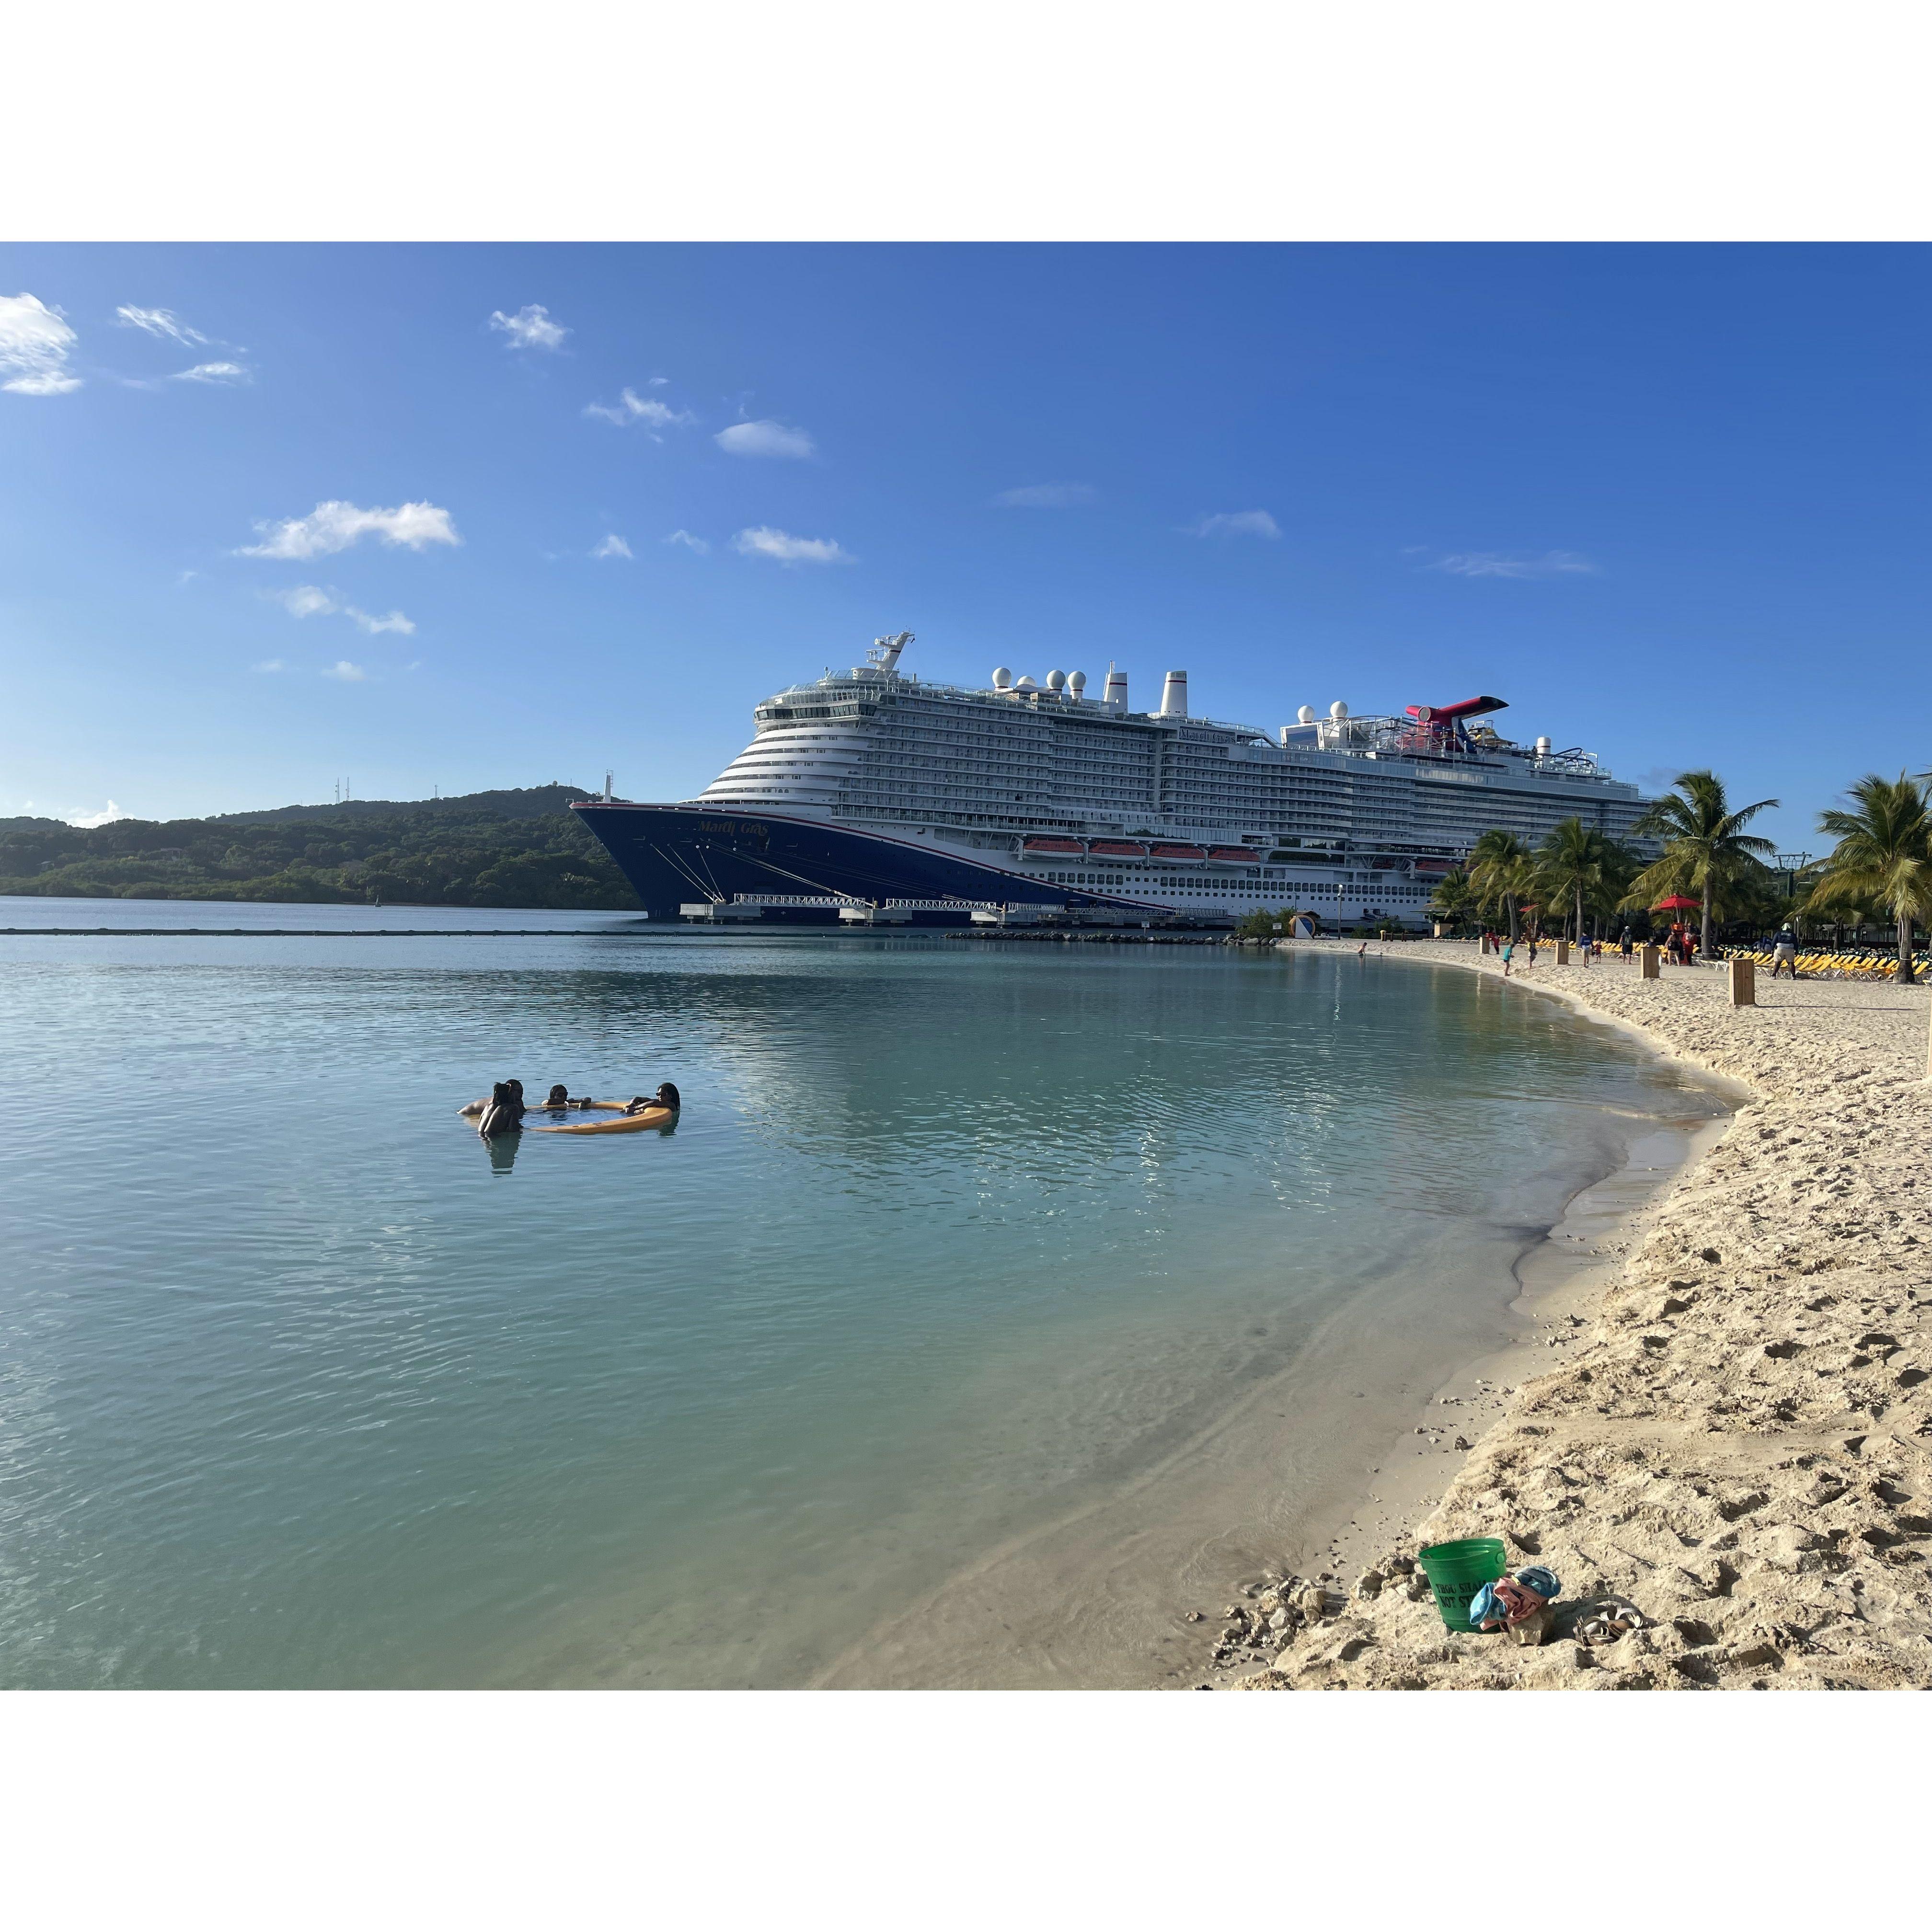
1737 1436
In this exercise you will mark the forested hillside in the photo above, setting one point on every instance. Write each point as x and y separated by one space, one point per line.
492 848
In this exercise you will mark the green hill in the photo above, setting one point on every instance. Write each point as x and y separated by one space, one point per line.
492 848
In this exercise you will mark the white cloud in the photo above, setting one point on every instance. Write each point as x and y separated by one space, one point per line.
213 372
91 819
529 328
630 407
394 621
1237 523
689 541
35 342
1493 563
159 321
269 664
1047 496
311 600
613 545
305 600
783 547
345 672
334 526
763 439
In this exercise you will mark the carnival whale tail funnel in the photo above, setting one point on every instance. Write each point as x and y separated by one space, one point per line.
1174 695
1116 698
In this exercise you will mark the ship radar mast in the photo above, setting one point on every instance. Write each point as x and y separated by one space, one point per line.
885 652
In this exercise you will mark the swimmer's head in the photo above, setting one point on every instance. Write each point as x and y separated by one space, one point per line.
558 1095
667 1096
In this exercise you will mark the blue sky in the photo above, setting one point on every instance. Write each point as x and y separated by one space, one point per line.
1670 503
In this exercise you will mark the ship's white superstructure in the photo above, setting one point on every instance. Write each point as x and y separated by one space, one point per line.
1350 818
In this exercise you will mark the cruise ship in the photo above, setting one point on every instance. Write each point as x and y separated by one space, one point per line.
872 796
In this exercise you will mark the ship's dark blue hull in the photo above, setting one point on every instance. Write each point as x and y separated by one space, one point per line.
674 854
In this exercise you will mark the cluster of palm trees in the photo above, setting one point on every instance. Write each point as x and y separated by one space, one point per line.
1880 869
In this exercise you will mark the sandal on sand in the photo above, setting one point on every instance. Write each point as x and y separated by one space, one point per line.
1608 1624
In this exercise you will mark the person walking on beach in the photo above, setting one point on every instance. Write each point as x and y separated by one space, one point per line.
1784 952
1624 945
1586 946
1509 953
1532 949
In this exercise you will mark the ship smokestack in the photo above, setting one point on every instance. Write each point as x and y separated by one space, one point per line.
1116 699
1174 695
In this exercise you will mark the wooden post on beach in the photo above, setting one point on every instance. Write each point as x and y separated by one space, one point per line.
1648 960
1744 982
1563 952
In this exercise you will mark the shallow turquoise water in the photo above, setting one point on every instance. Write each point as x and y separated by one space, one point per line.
299 1386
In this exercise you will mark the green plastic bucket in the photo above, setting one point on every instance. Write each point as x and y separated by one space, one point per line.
1457 1570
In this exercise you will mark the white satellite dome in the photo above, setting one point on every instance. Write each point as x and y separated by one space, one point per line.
1338 710
1056 680
1024 684
1077 683
1305 716
1002 679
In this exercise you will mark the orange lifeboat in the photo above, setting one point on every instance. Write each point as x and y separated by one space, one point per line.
1182 855
1063 848
1117 848
1232 855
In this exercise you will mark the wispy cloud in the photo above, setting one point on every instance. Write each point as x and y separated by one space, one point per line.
1237 523
311 600
689 541
305 600
228 372
88 820
783 547
530 327
1047 496
35 342
269 664
764 438
1495 563
395 621
344 672
162 322
613 545
335 525
630 407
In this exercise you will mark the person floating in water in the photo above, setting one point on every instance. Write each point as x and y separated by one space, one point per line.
505 1113
477 1109
560 1097
667 1096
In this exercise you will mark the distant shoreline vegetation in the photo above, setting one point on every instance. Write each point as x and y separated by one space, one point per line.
489 848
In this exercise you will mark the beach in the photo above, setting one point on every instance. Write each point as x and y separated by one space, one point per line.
1725 1422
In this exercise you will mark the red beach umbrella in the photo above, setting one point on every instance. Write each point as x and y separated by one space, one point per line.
1679 903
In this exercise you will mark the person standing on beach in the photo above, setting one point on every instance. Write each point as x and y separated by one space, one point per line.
1586 946
1784 952
1624 945
1509 953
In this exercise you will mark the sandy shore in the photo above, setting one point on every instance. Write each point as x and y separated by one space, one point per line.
1736 1436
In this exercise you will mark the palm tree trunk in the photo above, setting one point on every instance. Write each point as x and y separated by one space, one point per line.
1515 930
1905 974
1580 912
1707 919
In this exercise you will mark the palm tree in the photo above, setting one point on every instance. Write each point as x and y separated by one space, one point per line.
1455 900
1706 847
1883 857
1500 871
1576 863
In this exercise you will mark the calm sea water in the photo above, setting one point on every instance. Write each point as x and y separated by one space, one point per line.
301 1384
